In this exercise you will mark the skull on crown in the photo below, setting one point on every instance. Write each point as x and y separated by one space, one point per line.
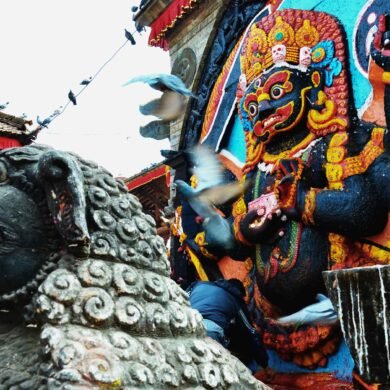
305 56
279 53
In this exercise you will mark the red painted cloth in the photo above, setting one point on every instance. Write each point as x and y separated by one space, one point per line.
166 20
6 143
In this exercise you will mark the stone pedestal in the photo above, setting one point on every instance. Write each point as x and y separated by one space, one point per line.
362 298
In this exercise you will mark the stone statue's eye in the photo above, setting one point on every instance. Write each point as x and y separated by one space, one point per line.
252 108
277 92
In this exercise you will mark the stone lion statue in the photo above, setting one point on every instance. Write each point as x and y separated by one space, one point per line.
85 295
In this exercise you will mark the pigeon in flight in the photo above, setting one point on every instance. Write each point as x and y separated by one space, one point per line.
72 97
212 189
163 82
321 312
172 102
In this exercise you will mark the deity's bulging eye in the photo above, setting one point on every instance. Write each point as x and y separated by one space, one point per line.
252 109
257 83
277 92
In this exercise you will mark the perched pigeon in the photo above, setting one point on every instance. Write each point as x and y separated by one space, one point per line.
3 106
321 312
86 81
129 36
163 82
45 122
72 97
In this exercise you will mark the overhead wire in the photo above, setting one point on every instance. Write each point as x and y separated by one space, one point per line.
92 78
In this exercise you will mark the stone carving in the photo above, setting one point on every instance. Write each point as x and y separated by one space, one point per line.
185 66
326 171
85 263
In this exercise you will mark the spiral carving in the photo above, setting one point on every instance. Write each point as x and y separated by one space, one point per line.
121 208
178 318
126 346
142 375
61 285
88 173
142 225
128 254
158 245
176 294
150 220
152 353
183 355
95 273
167 375
190 375
104 244
70 353
210 375
155 288
104 220
94 306
200 352
98 197
53 311
99 365
135 204
157 318
108 183
127 280
145 254
127 231
130 313
229 375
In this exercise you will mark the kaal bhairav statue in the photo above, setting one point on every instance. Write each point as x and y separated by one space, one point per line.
320 192
85 295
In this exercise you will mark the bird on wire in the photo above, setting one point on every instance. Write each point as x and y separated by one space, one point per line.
3 106
72 97
129 36
86 81
172 102
45 122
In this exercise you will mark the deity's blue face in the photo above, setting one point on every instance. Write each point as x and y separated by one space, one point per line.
276 101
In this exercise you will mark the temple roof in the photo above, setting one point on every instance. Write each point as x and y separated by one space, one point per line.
14 127
150 187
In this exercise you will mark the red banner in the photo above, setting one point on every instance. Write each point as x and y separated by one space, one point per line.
167 20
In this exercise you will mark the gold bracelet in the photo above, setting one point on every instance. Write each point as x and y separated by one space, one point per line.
309 208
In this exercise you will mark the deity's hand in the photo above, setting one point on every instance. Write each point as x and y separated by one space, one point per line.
290 187
259 227
380 49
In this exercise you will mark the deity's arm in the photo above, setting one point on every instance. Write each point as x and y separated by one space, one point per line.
356 210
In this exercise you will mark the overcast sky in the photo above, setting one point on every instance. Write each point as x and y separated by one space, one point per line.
50 46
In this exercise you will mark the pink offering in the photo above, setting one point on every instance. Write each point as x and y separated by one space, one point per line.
268 202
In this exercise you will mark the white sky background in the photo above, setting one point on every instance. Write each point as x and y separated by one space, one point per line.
50 46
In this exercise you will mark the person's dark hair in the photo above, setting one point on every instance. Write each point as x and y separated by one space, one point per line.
238 284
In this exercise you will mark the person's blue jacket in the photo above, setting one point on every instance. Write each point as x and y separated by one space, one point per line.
222 302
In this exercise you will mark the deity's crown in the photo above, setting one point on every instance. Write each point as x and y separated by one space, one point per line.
282 45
